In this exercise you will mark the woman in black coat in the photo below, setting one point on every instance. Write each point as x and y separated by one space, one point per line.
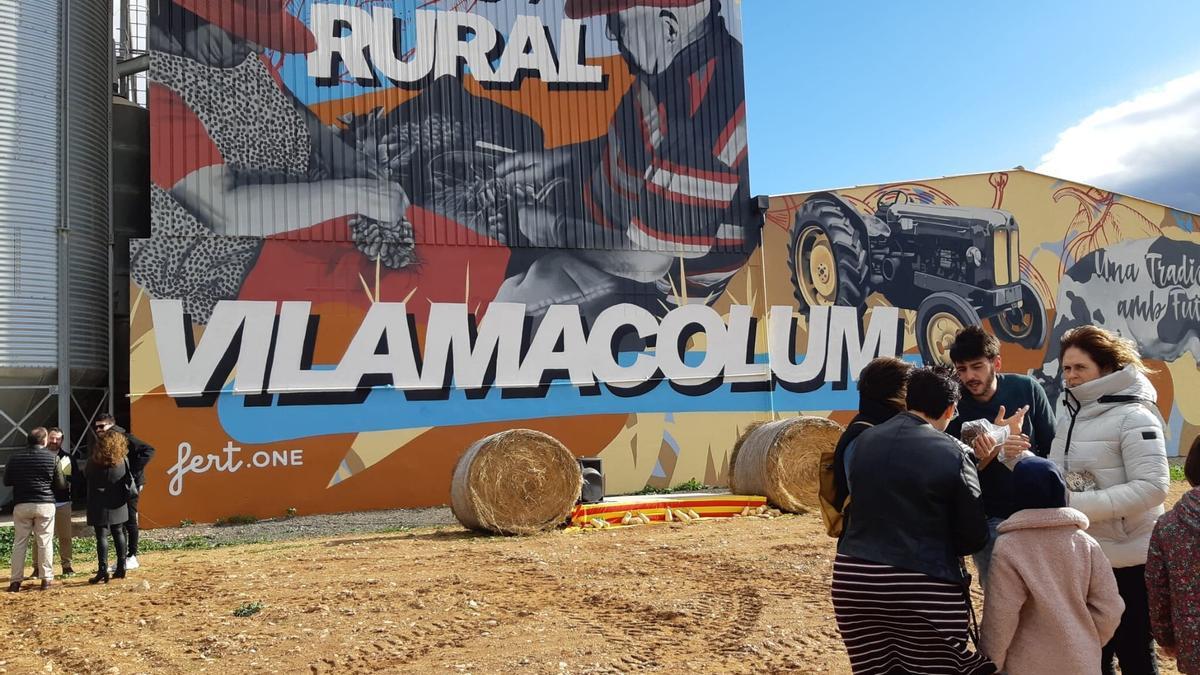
108 494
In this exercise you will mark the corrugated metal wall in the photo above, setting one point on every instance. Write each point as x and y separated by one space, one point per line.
454 126
28 183
260 129
88 114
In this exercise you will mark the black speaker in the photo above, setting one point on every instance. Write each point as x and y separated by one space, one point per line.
593 480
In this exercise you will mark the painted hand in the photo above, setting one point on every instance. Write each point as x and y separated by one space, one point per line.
534 169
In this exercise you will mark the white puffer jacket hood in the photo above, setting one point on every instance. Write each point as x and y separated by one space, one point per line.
1115 432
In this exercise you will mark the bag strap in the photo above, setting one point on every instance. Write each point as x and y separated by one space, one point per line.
973 626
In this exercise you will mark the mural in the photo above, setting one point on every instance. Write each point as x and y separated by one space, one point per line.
382 229
1027 255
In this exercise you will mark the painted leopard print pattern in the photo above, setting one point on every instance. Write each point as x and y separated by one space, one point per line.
184 260
253 122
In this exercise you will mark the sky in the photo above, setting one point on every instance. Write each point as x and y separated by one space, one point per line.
1103 92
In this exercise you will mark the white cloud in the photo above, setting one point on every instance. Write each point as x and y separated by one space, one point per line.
1148 146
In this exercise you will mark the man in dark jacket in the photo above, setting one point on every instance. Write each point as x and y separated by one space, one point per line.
916 502
33 475
989 394
881 388
140 454
62 500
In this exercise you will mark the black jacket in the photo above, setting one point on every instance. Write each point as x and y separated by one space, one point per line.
916 501
140 454
107 496
33 475
870 413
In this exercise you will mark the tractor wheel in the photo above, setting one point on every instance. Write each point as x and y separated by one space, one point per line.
939 318
827 257
1024 325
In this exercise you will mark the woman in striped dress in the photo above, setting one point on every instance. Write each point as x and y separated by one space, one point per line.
899 592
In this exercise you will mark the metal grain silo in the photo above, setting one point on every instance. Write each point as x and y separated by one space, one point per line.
55 83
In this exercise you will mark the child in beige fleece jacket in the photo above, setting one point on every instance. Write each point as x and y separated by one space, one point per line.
1051 602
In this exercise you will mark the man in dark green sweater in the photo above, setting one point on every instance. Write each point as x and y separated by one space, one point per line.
1001 399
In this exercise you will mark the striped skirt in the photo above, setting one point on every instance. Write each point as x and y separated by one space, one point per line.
895 621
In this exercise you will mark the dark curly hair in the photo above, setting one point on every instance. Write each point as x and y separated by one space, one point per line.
931 390
972 343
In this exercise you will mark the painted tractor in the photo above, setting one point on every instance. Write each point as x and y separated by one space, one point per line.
954 265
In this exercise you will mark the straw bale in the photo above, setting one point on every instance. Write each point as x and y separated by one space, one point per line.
733 455
515 482
781 461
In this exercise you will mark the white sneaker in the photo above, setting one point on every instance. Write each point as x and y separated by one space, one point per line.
131 563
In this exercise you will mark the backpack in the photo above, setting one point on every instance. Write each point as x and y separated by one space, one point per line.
827 490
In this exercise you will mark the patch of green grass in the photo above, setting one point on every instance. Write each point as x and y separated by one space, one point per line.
186 523
248 609
82 548
236 519
692 485
1177 472
188 543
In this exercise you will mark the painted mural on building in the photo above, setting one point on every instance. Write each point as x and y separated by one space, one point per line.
384 229
1027 255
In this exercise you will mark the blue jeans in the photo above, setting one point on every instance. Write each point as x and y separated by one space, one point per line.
983 559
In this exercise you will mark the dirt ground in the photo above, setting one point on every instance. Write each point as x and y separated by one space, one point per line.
740 596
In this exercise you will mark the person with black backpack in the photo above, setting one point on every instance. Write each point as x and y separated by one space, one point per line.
140 454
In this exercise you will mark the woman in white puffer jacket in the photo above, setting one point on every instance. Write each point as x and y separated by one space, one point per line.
1109 443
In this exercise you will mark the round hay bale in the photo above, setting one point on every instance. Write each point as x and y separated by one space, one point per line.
782 461
515 482
733 455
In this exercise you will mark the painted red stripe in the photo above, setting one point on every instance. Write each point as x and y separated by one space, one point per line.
729 130
626 169
730 508
699 85
681 198
737 161
715 176
728 501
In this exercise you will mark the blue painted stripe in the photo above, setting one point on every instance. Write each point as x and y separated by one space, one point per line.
387 408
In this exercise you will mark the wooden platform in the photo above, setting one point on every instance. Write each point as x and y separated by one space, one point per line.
707 504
